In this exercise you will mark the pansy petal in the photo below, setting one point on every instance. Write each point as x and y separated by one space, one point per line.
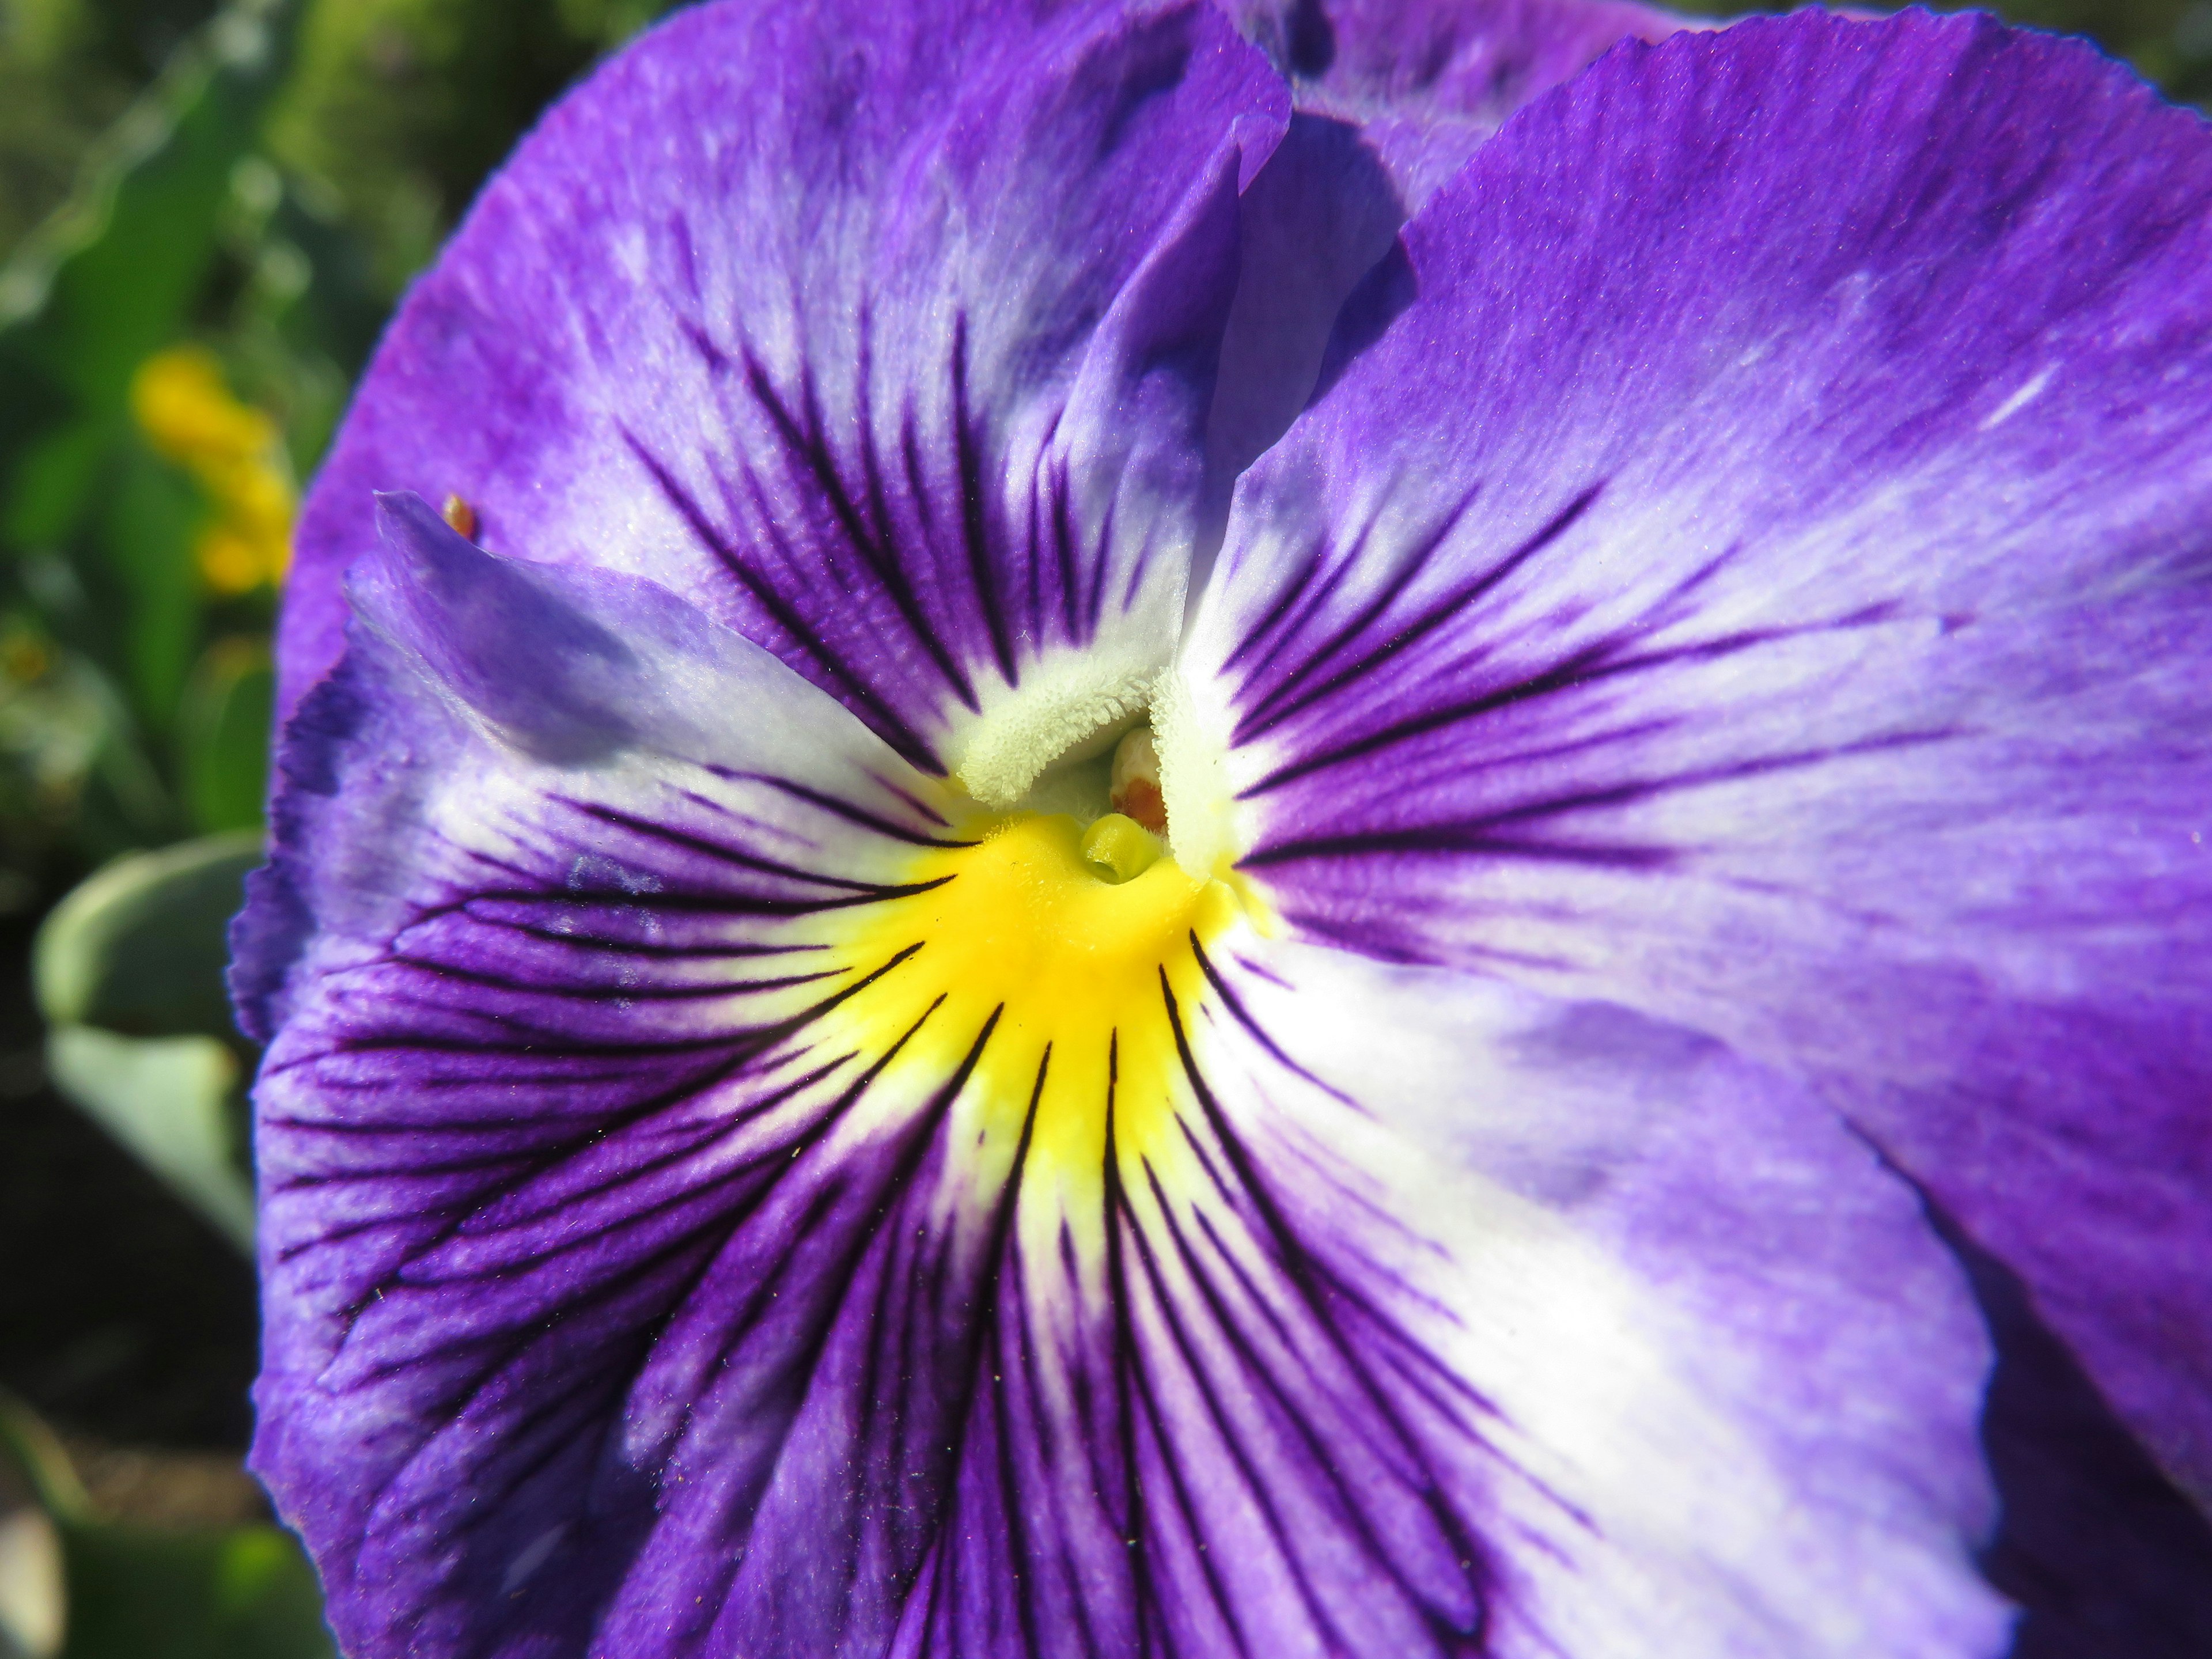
1755 573
531 974
886 338
1714 1379
677 1245
1427 80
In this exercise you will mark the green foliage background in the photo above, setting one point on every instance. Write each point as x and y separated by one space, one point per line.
258 181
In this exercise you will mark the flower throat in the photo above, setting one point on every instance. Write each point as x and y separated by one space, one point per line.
1070 952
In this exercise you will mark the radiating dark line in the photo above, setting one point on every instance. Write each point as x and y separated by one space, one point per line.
1265 1377
477 1047
842 809
1449 839
1062 519
541 1416
1232 1442
804 441
973 529
1132 1496
1231 1001
647 992
1295 583
1231 1617
1094 608
601 945
1317 584
752 1039
1434 616
1032 543
1473 835
1590 665
1009 1494
806 1363
874 1455
643 1343
895 730
720 906
515 1337
879 503
716 359
538 1161
703 1145
652 830
1269 708
1298 1266
922 808
1138 568
768 1186
917 485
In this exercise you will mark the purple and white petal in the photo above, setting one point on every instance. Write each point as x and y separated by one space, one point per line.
1768 591
885 337
1686 1354
543 987
635 1287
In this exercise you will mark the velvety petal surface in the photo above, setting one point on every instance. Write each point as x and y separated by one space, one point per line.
1749 565
1425 82
678 1242
885 336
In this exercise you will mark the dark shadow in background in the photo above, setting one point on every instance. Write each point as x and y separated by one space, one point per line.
122 1314
2104 1555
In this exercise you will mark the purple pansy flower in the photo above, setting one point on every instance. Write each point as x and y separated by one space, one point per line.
1648 1095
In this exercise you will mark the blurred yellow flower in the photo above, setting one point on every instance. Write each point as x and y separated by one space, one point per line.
186 409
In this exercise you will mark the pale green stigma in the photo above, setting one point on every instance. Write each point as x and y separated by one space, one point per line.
1119 848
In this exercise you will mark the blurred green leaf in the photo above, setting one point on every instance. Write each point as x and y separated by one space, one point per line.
129 1591
140 947
128 970
146 523
232 1593
172 1102
228 711
114 278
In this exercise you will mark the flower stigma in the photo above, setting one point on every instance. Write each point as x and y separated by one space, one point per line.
1119 848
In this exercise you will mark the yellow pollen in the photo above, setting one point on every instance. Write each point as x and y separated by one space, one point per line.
1077 968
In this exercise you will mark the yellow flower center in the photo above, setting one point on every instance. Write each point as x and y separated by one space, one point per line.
1066 947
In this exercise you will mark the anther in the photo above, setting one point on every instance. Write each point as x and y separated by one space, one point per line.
460 518
1135 785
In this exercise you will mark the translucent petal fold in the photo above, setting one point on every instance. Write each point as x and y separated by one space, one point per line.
886 337
660 1262
1425 82
1747 564
1393 98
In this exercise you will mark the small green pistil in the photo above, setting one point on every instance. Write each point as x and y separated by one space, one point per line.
1119 848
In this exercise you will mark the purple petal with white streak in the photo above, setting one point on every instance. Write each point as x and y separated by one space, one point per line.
1756 575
